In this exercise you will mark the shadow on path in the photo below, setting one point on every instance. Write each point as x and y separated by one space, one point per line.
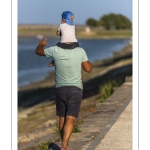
53 146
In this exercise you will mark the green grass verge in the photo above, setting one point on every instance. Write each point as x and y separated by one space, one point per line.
50 31
108 88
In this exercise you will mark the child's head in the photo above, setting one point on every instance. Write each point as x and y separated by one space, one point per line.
68 17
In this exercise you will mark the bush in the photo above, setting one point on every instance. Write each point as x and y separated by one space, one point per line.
92 22
105 91
115 21
111 21
108 88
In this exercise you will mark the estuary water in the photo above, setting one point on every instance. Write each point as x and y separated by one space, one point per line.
32 68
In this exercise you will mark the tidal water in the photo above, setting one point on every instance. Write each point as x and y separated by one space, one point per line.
32 68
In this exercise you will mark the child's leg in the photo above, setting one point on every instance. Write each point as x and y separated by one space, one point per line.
51 64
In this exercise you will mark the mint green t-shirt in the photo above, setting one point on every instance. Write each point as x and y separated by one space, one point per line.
68 63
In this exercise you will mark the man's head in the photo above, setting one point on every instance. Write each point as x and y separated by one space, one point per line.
68 16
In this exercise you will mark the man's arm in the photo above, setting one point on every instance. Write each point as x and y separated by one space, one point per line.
87 67
40 48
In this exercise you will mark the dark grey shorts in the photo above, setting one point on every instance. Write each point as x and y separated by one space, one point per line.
68 101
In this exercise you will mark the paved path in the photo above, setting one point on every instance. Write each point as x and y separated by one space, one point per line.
119 137
117 134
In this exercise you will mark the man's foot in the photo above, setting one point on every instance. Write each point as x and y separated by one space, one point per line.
64 148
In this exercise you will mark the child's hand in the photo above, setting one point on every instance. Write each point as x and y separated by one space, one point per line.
43 42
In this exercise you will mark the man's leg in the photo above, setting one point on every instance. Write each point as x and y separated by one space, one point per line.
68 105
61 126
67 130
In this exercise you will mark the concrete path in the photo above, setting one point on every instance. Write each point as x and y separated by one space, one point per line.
117 134
119 137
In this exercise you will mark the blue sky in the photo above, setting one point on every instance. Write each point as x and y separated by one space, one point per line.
49 11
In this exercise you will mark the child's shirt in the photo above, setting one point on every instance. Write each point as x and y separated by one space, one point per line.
67 33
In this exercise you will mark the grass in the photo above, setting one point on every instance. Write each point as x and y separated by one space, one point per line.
76 129
50 31
106 90
56 129
108 87
114 32
43 146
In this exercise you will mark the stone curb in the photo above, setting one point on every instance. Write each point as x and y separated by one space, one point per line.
97 140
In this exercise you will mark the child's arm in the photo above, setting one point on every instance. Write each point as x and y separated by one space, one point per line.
58 32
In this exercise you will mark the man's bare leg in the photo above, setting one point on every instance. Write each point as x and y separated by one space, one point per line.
61 126
67 130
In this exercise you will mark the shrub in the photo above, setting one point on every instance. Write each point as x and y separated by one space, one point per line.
106 90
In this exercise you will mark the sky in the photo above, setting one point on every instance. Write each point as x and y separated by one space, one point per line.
49 11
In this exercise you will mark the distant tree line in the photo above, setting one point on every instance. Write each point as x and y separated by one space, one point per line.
111 21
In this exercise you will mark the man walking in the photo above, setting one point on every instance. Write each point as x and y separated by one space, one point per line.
68 84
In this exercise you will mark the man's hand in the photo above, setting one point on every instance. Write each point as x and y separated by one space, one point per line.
39 50
43 42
